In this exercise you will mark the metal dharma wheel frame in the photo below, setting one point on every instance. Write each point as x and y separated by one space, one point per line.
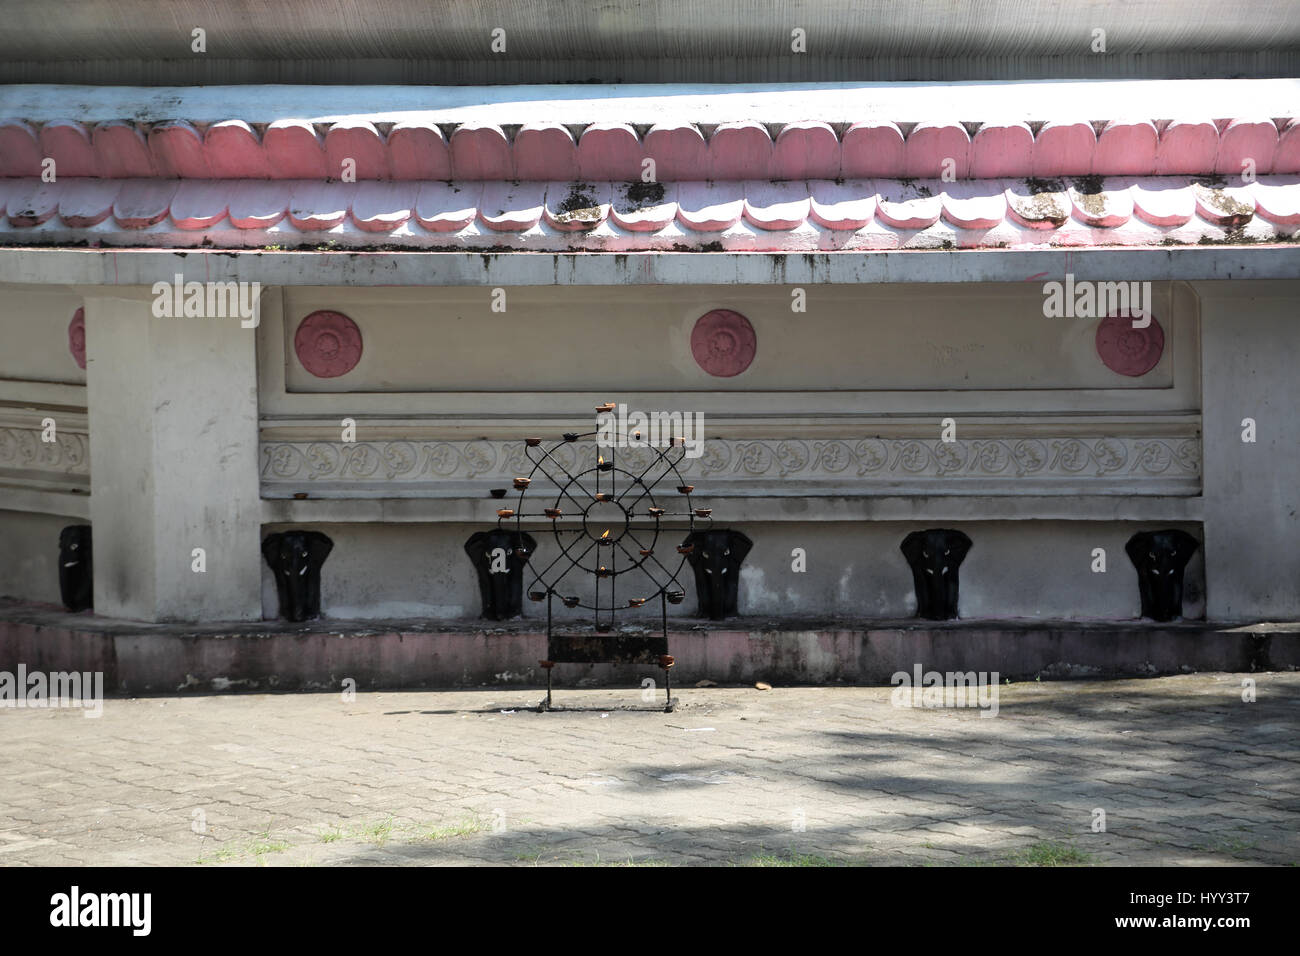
608 521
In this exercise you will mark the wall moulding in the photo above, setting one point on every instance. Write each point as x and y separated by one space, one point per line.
63 463
1098 464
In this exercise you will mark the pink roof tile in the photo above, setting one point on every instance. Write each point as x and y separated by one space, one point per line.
383 207
447 207
1164 202
1187 147
641 207
609 151
1126 148
907 205
1105 207
934 150
69 145
872 149
1063 149
679 150
1000 149
844 205
33 203
754 215
259 205
739 151
776 206
418 151
975 204
314 206
544 152
294 150
358 149
200 204
481 152
84 203
512 207
141 203
710 207
805 151
178 151
121 151
234 151
1277 200
1246 144
20 151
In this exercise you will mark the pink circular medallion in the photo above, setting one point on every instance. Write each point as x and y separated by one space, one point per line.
723 343
1128 350
328 344
77 337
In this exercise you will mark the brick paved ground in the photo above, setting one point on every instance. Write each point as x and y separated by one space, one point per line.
1186 772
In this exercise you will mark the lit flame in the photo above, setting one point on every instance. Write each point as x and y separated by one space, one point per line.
600 459
606 534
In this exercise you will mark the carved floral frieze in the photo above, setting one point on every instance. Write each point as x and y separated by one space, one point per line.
867 459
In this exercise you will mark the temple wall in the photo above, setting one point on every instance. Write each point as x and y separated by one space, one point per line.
1015 569
29 560
1252 489
828 442
44 485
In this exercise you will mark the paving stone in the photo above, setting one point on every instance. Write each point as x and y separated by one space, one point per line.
1186 775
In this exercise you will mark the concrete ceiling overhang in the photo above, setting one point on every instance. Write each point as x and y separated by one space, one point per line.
451 41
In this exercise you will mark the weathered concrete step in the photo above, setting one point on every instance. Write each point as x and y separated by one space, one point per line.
141 658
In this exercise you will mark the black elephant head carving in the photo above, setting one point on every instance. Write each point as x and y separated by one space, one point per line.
935 555
296 557
499 557
76 573
715 557
1160 558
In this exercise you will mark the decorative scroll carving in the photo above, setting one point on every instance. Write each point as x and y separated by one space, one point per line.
843 461
22 449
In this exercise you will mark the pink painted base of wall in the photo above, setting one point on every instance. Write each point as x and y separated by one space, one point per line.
155 659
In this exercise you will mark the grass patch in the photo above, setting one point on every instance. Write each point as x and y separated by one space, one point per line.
1052 854
258 848
792 858
644 861
464 828
379 833
1232 847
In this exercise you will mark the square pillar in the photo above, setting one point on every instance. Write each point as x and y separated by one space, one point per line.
174 467
1250 335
